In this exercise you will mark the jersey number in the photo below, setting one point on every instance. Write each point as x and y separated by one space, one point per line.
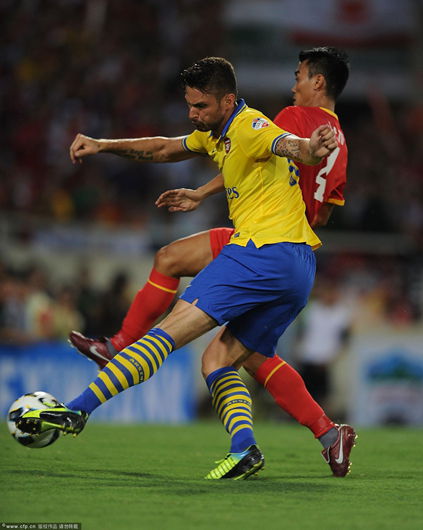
321 175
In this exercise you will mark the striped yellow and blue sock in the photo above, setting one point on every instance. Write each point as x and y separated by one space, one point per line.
232 402
133 365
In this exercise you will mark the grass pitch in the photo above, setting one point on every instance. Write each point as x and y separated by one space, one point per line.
150 477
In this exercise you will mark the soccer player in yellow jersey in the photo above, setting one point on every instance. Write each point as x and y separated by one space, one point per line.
255 287
320 78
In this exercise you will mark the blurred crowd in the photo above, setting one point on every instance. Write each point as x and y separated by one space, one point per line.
104 68
110 69
35 307
385 170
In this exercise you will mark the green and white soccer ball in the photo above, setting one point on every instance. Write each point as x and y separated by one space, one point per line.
34 400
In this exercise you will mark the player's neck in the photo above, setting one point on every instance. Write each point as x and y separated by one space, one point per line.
324 102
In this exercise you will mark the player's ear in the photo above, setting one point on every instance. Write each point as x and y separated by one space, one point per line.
229 99
319 82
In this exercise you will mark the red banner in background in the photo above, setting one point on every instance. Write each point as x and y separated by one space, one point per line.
335 22
353 22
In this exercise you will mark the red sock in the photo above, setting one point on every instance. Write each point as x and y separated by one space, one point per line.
287 388
149 303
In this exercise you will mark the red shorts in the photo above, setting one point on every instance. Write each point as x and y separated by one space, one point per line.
219 237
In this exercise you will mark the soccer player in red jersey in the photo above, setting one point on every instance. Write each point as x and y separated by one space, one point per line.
319 79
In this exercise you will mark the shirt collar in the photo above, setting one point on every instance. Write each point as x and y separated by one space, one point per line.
329 112
241 105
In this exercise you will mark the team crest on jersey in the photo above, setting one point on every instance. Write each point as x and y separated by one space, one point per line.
259 123
227 142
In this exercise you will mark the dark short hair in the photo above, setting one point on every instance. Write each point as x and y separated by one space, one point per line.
332 63
214 75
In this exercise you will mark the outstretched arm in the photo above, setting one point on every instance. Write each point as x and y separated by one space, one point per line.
186 200
154 149
311 150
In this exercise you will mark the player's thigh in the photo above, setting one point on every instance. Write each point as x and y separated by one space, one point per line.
186 256
224 350
185 323
260 328
219 237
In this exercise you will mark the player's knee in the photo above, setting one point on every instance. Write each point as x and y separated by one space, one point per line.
167 260
208 365
204 369
253 363
250 370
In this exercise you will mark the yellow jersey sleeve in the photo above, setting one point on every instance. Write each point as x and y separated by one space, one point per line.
195 142
258 136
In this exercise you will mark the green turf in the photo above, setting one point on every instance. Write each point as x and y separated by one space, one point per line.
150 477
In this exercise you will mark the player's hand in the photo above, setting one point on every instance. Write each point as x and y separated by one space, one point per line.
83 146
179 200
322 141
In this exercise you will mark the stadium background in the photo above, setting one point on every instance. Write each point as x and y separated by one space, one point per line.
77 242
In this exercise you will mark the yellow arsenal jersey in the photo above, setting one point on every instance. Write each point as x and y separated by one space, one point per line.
264 197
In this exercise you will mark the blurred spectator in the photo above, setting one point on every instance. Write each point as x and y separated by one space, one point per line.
39 305
326 326
26 308
65 314
113 304
13 318
87 301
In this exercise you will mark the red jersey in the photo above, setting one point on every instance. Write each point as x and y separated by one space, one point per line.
324 182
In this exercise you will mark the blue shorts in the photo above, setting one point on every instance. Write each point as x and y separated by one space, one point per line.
257 291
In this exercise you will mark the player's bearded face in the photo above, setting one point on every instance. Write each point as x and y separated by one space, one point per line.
206 111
